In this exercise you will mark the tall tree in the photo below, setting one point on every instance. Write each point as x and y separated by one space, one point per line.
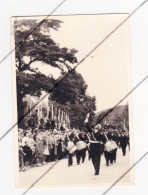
72 93
37 47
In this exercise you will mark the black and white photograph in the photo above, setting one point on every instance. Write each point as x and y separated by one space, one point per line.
68 95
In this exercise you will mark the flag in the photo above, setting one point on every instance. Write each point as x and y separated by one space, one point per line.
68 120
55 113
59 115
87 118
104 121
62 117
124 126
52 114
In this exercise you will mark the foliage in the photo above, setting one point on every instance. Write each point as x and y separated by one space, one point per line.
116 117
33 84
36 45
72 94
39 46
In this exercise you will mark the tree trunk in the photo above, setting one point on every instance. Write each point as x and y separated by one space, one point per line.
20 110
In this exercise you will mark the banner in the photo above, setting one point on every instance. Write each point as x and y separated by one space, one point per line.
62 117
87 118
59 113
52 114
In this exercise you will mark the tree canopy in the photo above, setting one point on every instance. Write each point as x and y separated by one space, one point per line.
72 93
33 84
33 43
116 117
39 46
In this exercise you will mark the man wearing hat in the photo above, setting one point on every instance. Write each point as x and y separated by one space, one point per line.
96 142
123 142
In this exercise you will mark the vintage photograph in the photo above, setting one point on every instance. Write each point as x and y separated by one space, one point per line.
63 111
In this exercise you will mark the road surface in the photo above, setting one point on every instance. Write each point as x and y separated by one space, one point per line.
81 175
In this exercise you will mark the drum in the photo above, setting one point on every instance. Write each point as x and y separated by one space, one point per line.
110 146
80 145
71 147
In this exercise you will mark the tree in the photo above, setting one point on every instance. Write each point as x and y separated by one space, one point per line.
37 47
71 90
72 93
31 84
116 117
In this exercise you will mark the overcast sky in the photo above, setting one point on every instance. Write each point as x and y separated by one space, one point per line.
107 70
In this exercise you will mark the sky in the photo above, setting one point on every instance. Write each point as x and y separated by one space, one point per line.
107 70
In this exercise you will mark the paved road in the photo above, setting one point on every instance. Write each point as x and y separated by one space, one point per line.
78 175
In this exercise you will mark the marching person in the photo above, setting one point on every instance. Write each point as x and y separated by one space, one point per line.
96 142
123 143
114 152
107 154
81 147
114 138
110 147
70 147
84 138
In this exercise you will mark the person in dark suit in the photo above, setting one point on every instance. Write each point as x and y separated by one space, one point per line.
96 142
69 138
114 137
123 143
80 142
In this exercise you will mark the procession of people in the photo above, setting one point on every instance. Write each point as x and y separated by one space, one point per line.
40 146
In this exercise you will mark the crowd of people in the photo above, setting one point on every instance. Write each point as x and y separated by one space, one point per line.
41 146
38 147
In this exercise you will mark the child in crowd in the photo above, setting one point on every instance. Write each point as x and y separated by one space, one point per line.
28 155
39 151
21 157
